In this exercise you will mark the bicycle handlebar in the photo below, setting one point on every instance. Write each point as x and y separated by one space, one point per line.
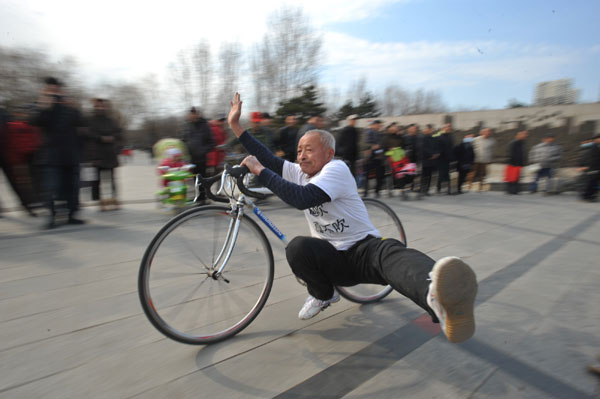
239 172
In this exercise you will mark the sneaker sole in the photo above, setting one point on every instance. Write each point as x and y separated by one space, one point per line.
456 286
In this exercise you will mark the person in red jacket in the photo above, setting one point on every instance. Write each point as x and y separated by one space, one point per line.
21 141
214 159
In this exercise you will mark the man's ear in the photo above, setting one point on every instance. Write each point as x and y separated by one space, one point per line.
330 154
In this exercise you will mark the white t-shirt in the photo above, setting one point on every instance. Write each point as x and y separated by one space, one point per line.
344 220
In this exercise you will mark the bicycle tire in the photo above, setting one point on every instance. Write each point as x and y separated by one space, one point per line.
389 225
226 304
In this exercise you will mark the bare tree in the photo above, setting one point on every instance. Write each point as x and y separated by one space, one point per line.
202 62
398 101
230 59
287 59
22 72
181 76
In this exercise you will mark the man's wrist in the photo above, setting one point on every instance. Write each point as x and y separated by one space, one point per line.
237 129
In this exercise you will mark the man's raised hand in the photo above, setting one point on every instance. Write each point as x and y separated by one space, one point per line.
234 115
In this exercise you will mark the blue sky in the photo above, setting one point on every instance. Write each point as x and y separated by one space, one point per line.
476 54
495 50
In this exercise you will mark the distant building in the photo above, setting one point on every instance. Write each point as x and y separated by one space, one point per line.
555 92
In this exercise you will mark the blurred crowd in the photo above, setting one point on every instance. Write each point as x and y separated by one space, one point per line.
51 149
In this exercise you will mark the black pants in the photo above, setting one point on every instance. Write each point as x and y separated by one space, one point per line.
379 168
426 178
591 185
462 177
443 175
62 182
371 260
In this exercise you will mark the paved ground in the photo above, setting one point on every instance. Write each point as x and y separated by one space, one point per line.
71 325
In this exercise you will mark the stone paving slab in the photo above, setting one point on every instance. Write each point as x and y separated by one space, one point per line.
71 325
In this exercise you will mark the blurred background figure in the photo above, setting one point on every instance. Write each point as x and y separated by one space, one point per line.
20 142
412 141
446 151
103 145
375 162
464 155
517 158
198 138
429 155
591 169
60 151
286 139
215 158
314 122
483 147
547 155
260 132
348 145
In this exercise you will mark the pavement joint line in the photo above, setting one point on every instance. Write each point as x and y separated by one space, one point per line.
11 387
348 374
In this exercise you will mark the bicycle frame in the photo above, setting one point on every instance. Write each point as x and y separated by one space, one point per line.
237 211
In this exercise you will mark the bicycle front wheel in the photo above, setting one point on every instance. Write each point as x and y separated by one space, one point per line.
387 222
182 294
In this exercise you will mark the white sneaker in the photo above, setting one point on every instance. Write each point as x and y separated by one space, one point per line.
313 306
452 297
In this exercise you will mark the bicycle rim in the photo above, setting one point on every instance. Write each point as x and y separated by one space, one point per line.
388 224
178 290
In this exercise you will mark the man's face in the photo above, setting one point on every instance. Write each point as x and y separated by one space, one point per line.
290 120
351 122
312 154
486 133
376 126
427 130
412 130
548 140
448 127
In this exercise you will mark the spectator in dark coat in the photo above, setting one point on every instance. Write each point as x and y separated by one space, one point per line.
348 143
375 162
516 158
465 156
430 154
199 140
60 151
446 148
286 139
104 142
591 167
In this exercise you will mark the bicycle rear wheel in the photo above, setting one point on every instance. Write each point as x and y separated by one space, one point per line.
387 222
179 290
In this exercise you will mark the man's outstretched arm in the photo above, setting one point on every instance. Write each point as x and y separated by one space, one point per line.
253 146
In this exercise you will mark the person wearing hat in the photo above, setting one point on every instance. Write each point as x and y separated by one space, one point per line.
375 157
591 168
348 145
547 155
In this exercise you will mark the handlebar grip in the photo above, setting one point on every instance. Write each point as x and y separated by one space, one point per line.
240 172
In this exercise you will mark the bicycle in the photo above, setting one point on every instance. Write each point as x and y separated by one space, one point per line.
219 290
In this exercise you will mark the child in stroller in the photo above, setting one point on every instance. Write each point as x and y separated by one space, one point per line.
403 171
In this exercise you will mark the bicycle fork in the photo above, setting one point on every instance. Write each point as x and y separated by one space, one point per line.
232 233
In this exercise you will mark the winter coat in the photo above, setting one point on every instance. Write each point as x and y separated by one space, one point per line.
516 153
199 140
484 149
103 141
61 140
428 150
464 155
546 154
348 143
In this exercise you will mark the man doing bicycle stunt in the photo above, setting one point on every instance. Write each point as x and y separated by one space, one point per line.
345 248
